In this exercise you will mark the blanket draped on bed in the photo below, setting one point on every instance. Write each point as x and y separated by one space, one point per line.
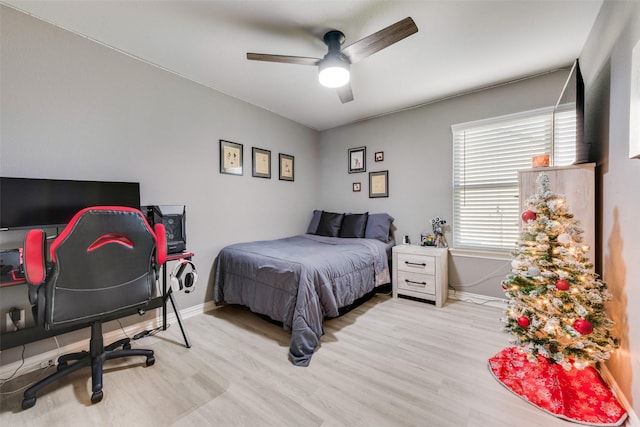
299 281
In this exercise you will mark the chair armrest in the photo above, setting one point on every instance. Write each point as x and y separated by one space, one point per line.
161 243
35 262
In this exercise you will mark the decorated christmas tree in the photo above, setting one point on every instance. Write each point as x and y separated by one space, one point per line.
556 301
556 313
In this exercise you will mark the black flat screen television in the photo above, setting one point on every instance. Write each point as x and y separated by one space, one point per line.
572 98
35 202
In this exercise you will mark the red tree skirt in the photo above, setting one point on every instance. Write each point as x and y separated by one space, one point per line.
580 396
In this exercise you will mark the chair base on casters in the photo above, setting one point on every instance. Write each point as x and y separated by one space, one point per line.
95 358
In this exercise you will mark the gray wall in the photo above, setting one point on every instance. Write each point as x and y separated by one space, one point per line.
418 151
606 65
73 109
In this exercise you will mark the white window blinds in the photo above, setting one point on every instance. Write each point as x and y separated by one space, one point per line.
487 155
564 135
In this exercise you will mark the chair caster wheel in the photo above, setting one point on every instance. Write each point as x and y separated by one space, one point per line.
96 396
61 366
28 402
126 346
151 360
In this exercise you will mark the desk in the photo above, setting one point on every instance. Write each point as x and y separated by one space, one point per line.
38 332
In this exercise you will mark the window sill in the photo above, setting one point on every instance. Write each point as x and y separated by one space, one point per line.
485 254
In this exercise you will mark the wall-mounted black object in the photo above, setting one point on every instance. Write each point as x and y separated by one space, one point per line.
572 95
174 219
41 203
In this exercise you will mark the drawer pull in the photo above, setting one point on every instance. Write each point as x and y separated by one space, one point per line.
421 264
411 282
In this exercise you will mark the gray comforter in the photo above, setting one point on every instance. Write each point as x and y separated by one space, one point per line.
299 281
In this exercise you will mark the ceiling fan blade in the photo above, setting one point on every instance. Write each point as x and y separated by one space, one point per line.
300 60
345 93
378 41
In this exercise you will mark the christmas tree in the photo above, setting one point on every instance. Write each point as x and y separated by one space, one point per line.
557 317
556 301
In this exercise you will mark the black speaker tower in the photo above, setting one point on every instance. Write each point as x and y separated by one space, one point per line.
174 218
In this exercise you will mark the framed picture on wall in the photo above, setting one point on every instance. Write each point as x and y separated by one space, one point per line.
379 184
261 163
356 186
230 157
286 167
379 156
357 159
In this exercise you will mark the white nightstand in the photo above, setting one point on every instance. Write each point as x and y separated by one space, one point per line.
421 272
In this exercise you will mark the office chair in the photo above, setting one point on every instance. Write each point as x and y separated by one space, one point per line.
102 266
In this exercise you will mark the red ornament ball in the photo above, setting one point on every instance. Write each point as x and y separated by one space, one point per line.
562 285
583 326
523 321
528 216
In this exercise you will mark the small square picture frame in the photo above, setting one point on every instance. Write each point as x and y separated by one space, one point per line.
357 159
231 157
286 167
378 184
261 164
378 156
356 187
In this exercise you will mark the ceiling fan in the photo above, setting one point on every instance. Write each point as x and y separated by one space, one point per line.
333 69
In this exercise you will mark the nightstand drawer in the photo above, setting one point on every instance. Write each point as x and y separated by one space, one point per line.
416 263
416 282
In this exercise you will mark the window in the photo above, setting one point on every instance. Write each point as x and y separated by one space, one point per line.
487 155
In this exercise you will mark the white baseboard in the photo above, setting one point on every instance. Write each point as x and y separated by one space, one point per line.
35 362
632 419
477 298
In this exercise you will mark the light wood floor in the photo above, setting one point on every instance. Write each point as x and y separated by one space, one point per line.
386 363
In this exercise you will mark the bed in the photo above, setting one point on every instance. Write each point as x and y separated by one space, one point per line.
300 280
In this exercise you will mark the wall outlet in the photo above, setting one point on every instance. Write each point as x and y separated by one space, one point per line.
20 322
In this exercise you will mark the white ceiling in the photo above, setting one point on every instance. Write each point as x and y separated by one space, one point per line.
460 46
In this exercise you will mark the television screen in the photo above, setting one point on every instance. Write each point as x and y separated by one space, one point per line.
569 110
33 202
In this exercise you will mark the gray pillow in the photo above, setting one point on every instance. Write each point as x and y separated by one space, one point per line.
330 223
315 220
378 226
354 225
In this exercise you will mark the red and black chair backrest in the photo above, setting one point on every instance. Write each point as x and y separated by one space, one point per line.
103 262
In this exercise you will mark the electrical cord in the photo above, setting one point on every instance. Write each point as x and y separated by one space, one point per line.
148 332
142 334
14 315
122 328
40 375
4 381
491 275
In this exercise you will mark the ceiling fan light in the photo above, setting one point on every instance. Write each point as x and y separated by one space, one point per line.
333 73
